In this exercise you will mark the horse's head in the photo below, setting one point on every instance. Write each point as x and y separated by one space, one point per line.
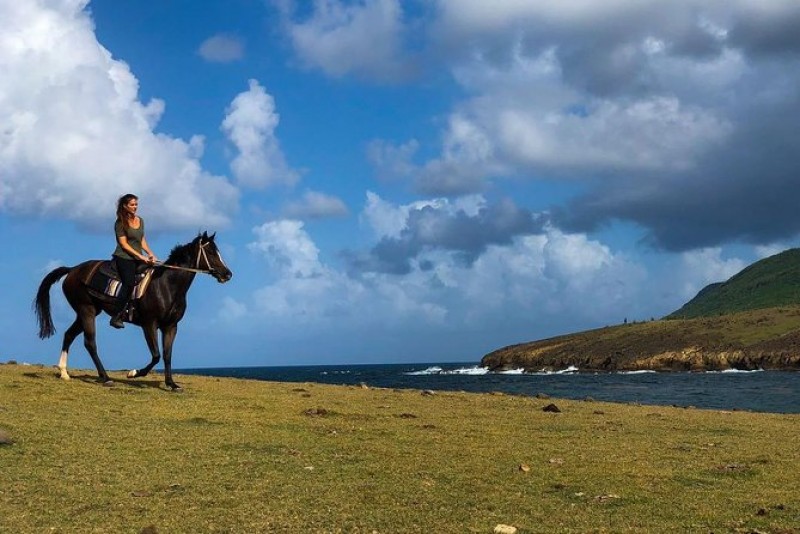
209 257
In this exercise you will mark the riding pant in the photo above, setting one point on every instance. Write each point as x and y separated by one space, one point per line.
127 275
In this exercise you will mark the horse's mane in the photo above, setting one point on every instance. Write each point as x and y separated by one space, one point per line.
180 254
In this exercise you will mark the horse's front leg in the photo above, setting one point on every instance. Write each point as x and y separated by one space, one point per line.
150 330
168 334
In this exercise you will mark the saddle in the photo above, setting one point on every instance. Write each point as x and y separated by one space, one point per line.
103 280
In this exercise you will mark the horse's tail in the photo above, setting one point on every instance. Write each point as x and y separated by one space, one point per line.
42 303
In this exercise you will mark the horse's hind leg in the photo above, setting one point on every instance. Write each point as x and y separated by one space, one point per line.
86 315
69 336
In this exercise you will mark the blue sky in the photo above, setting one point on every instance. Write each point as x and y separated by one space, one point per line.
393 181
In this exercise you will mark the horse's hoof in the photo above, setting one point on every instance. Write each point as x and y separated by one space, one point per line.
62 374
108 384
132 373
176 388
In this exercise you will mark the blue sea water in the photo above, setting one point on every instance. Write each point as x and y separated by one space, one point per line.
761 391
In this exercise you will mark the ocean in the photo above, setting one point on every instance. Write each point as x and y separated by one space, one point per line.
759 391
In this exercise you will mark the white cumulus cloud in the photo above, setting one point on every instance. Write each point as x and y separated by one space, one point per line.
316 205
363 38
222 48
386 219
549 280
74 135
287 247
651 106
250 125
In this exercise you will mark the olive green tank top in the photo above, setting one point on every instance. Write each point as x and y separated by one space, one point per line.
134 236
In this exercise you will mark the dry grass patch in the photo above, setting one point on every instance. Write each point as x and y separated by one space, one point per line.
234 455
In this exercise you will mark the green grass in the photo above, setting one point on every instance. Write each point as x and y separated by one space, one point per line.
768 283
246 456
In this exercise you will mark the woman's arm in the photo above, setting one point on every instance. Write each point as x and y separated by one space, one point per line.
123 242
146 248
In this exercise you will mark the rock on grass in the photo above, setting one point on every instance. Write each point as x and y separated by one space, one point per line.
5 438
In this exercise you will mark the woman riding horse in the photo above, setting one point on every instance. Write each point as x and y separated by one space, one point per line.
132 248
161 307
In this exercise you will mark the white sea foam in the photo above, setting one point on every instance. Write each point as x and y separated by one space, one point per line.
480 371
544 372
569 370
737 371
512 372
474 371
436 370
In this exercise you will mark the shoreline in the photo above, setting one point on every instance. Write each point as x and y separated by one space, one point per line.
754 391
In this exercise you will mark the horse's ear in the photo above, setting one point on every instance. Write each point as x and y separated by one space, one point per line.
212 236
205 235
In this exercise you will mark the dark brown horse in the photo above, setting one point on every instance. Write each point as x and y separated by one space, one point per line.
160 308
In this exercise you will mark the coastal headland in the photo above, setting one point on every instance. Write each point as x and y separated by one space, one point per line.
750 321
756 339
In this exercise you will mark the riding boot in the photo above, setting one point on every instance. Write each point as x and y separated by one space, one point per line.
117 320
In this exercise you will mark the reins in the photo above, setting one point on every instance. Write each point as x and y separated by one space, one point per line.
201 250
179 268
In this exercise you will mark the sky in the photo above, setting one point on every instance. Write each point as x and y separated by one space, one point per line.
392 182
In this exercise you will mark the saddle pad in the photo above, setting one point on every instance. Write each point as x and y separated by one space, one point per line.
103 279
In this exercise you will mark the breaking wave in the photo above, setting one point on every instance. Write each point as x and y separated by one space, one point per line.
436 370
477 370
736 371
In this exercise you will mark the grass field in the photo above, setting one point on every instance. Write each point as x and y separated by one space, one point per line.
233 455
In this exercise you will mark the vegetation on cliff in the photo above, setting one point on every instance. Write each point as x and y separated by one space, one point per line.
768 283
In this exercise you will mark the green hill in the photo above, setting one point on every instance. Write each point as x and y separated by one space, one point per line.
751 321
769 283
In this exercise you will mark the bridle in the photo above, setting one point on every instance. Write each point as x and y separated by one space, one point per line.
201 253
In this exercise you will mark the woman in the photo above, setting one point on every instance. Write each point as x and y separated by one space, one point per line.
131 249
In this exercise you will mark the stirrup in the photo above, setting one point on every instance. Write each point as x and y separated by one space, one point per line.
128 312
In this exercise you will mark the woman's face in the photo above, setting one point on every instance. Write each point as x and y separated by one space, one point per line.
131 206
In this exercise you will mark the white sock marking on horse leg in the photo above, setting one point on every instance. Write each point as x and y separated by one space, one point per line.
62 365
